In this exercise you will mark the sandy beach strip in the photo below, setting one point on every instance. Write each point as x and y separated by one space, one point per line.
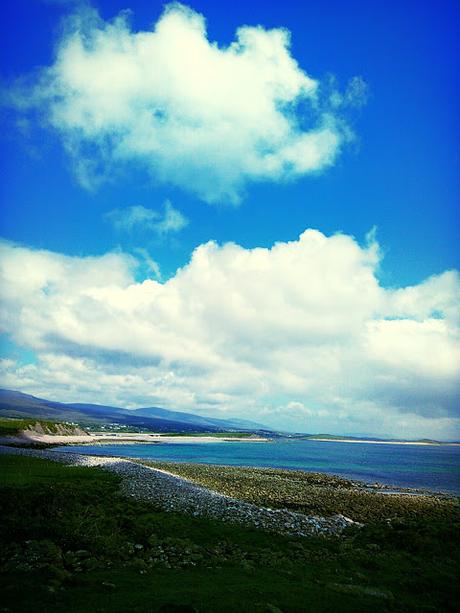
121 439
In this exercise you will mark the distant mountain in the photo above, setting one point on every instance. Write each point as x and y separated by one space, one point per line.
156 419
158 413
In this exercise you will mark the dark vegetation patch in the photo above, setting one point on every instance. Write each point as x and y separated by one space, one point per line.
71 542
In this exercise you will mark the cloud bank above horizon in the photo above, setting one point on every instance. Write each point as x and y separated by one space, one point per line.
206 118
299 336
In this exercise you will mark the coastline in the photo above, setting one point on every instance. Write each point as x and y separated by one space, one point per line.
121 439
309 493
173 492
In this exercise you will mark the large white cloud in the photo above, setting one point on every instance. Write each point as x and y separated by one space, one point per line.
197 115
301 335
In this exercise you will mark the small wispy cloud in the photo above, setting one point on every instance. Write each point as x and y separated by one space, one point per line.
355 95
152 265
141 219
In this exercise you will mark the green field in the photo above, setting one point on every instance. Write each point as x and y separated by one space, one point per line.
71 542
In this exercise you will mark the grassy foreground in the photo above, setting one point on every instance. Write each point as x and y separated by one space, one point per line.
70 542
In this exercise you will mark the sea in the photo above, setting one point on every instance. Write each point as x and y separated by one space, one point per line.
429 467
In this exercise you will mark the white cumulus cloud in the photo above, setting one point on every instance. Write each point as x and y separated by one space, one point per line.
204 117
301 335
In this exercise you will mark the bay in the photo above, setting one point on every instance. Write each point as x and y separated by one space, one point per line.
432 467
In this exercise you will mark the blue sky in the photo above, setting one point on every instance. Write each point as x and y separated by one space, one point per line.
385 78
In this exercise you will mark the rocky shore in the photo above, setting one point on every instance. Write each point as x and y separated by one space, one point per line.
315 494
295 503
175 494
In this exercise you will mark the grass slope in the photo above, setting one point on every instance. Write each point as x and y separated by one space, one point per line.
10 427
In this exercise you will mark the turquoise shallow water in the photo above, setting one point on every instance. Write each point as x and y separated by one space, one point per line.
436 468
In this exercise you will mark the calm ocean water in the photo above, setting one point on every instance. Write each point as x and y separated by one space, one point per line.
435 468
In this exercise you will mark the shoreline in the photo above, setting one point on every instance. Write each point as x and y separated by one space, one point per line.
173 492
386 484
122 439
362 484
268 494
30 437
178 470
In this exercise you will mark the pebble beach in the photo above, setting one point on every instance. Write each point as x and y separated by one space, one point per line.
176 494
